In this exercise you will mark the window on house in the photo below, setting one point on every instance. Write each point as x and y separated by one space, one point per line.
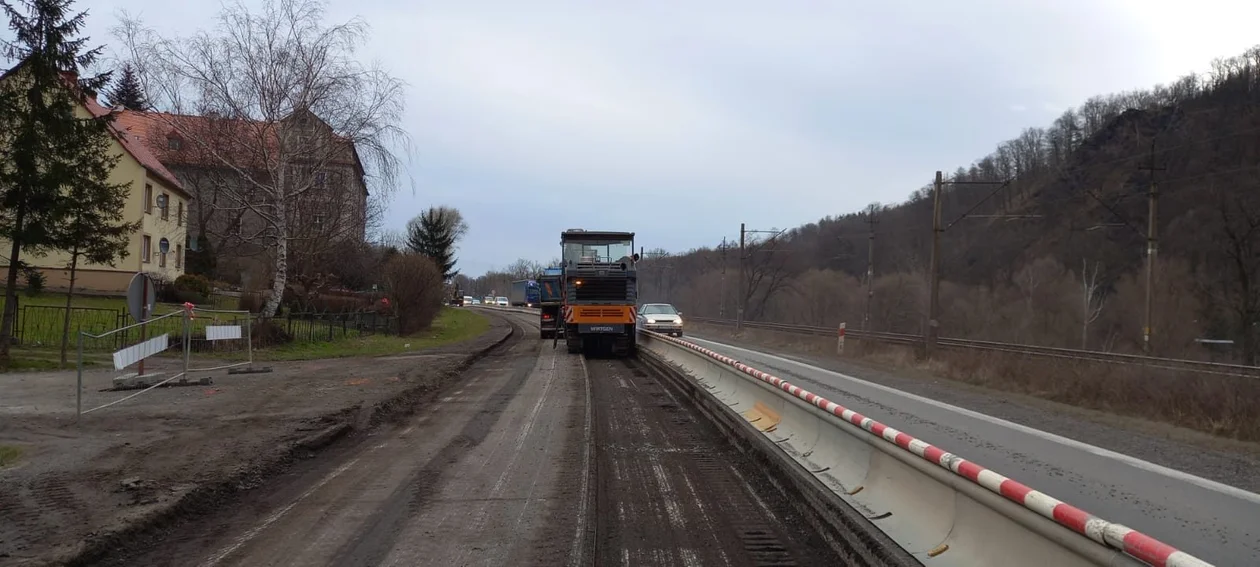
179 214
174 143
161 259
320 218
146 247
179 255
148 198
165 203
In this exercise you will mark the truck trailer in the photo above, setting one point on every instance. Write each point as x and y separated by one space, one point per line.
550 299
524 293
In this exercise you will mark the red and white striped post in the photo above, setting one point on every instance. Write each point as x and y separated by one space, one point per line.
840 340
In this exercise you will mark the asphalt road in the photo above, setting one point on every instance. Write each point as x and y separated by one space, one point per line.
532 457
1215 522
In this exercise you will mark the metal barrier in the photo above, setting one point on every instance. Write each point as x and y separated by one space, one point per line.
223 332
150 346
941 508
133 354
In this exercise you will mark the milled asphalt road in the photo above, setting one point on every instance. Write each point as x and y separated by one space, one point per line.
533 456
1214 522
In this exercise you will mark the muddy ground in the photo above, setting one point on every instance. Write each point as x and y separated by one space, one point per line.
77 487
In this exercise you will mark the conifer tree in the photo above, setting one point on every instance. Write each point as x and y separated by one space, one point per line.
127 92
42 139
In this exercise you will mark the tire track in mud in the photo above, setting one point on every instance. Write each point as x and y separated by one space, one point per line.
385 526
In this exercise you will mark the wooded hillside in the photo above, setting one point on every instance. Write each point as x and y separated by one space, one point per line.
1051 249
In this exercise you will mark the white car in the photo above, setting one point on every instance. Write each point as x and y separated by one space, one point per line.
501 301
662 318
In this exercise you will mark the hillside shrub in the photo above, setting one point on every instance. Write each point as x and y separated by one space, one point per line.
414 287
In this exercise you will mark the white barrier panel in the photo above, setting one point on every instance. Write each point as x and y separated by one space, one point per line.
139 351
222 332
941 508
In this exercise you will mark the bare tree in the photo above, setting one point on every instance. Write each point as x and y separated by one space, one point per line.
1092 299
303 108
1238 260
767 270
523 269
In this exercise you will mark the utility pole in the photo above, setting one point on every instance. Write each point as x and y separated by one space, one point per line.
871 220
722 297
739 300
932 332
934 293
1152 247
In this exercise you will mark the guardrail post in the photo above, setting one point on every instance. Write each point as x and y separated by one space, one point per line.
840 340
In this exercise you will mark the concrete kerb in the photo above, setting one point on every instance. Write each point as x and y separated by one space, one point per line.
968 512
148 528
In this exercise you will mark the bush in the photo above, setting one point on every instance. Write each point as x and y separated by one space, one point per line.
266 333
163 288
251 301
328 303
189 296
414 287
35 280
194 283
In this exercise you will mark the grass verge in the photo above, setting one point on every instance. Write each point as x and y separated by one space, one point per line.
9 454
451 326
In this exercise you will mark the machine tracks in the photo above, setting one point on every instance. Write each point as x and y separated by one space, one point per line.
671 490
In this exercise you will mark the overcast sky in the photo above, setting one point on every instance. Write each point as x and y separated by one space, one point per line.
680 119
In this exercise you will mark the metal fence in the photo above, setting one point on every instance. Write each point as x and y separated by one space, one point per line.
314 327
39 326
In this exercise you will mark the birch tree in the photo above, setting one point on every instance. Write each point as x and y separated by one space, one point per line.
304 109
1092 299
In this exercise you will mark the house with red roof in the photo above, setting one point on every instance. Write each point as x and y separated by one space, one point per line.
157 199
229 166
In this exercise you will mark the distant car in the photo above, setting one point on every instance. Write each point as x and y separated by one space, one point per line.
501 301
457 302
476 301
662 318
487 300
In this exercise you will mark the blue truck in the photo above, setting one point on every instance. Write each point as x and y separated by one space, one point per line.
524 293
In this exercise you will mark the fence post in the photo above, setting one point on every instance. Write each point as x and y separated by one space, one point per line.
249 336
840 340
78 393
187 339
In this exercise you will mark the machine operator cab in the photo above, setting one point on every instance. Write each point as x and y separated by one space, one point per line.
600 290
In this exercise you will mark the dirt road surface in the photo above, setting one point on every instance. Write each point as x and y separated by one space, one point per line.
534 457
80 487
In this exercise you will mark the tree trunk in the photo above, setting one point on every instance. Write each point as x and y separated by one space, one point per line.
65 325
281 278
10 292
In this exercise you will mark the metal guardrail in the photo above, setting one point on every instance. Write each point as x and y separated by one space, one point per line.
1197 366
940 507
